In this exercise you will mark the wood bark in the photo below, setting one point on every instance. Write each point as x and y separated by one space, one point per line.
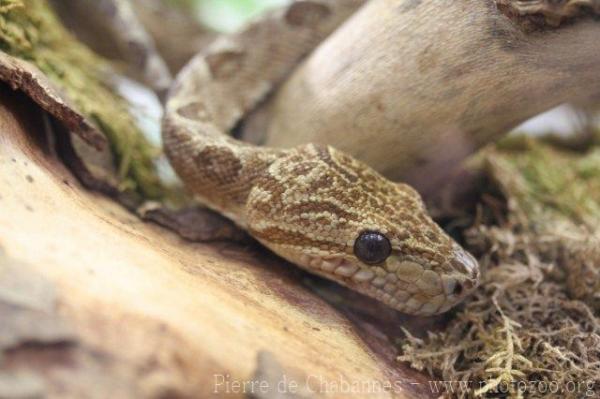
95 303
412 87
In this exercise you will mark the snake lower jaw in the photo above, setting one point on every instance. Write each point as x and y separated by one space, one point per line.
406 294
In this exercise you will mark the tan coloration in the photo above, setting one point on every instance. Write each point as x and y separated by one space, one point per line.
413 87
310 203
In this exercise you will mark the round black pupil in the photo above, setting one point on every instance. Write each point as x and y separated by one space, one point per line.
372 247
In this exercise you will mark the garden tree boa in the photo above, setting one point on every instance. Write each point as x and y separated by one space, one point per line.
313 205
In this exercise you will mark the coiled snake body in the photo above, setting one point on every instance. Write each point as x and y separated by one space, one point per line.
313 205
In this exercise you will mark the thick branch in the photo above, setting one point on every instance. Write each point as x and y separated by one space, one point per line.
411 87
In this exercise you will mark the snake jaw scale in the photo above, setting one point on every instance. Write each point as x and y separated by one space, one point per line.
363 276
378 282
345 270
328 266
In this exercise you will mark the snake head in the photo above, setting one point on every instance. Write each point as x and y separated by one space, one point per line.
335 216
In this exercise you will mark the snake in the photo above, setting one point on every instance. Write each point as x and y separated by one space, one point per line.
313 205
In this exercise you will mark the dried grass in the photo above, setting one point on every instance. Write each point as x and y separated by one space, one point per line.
532 329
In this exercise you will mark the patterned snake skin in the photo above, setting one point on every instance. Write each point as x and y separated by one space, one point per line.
313 205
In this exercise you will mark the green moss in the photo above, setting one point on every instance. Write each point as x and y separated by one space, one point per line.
29 30
533 322
549 180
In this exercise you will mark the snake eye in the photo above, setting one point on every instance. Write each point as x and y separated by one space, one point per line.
372 247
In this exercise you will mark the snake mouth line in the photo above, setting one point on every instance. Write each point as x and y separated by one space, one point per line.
418 296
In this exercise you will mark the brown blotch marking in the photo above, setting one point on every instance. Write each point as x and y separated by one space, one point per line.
323 153
195 111
276 235
433 237
270 184
306 13
301 168
318 207
342 165
224 64
218 164
373 202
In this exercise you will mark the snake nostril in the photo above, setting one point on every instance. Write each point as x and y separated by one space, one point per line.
458 289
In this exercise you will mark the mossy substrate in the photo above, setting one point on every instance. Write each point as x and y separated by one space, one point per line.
29 30
532 328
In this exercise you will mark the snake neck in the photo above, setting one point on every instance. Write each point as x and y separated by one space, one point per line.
223 83
220 171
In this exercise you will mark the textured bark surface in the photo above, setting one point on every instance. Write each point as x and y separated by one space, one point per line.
96 303
412 87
